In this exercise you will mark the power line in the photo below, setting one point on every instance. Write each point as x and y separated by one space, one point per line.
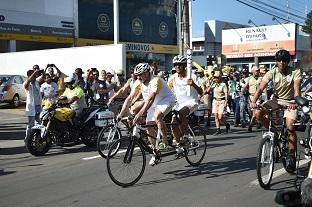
278 9
279 4
267 12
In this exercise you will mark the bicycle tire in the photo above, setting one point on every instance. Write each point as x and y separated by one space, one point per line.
106 137
265 158
119 167
196 146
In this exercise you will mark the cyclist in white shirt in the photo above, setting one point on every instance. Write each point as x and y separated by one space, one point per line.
158 102
186 103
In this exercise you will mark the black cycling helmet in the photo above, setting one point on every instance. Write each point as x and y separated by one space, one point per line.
282 55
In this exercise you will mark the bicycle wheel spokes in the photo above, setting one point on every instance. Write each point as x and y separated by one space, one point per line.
195 148
265 162
127 166
106 137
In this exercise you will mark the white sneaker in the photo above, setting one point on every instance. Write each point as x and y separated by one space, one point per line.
179 150
152 161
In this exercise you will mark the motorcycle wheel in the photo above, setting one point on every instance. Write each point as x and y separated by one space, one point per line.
89 134
37 145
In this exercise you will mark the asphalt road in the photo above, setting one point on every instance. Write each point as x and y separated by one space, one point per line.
76 176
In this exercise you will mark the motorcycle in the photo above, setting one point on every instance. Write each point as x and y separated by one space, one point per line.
303 195
59 126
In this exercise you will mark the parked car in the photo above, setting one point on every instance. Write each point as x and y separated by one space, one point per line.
12 90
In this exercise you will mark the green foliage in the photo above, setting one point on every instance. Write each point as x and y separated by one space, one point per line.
308 24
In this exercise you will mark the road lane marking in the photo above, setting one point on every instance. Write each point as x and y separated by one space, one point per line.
281 171
91 158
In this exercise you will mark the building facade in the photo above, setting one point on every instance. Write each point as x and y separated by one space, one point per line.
243 46
148 28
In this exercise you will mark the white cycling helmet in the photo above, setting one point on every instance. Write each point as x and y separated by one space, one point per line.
179 59
141 68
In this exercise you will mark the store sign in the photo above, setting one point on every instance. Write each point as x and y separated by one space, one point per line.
258 41
33 30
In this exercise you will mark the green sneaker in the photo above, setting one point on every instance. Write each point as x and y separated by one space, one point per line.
163 147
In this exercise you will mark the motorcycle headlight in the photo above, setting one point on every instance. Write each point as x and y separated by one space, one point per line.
306 109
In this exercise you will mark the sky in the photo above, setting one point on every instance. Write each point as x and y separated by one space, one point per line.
236 12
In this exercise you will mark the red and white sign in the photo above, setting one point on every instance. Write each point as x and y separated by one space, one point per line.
258 41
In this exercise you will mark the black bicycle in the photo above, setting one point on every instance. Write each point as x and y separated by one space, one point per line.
273 148
126 166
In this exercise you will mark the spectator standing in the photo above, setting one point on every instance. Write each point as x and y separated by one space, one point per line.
234 90
243 101
219 103
33 100
54 75
80 80
49 89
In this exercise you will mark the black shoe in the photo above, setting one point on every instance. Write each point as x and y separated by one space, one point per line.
217 133
250 128
291 163
259 126
227 127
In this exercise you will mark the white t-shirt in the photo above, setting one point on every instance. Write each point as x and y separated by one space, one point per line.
179 87
159 86
49 91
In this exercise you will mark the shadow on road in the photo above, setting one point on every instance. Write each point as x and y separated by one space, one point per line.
229 137
212 169
13 150
2 172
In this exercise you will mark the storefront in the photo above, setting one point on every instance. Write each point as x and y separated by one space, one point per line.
257 45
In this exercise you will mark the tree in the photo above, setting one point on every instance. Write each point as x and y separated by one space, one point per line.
307 28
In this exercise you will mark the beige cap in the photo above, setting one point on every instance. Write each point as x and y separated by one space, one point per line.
254 68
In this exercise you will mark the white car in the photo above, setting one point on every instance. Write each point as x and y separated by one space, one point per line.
12 90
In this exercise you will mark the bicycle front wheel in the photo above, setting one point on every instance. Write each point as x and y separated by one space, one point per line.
106 137
265 162
127 166
195 148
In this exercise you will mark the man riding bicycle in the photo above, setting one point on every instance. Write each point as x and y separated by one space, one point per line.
286 85
158 102
186 104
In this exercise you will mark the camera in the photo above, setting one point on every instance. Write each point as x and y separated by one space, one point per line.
40 72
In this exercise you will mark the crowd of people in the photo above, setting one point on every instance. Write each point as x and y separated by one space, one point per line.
150 94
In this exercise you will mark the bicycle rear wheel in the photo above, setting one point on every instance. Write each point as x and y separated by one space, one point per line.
127 166
106 137
195 148
265 162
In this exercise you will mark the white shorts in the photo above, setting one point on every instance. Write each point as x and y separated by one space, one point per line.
191 105
165 109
